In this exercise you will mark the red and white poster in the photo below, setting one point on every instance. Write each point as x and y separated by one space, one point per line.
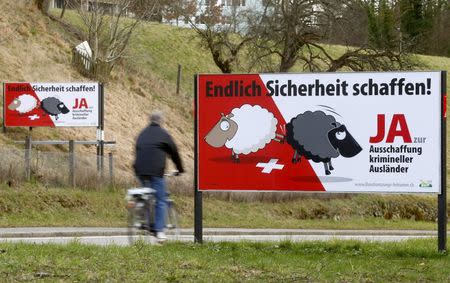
51 104
333 132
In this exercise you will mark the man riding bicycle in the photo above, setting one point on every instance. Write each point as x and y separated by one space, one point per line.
152 145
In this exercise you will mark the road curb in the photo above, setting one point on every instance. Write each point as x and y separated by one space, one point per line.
30 232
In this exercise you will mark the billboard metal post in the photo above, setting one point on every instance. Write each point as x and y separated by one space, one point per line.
442 197
3 121
102 127
198 225
100 130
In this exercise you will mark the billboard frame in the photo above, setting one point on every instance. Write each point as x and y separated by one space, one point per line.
442 196
100 105
197 139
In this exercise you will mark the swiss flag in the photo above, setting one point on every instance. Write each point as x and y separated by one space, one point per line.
268 169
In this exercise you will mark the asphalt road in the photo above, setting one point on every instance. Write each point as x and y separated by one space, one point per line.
118 236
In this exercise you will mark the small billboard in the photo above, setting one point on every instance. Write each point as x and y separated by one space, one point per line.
327 132
51 104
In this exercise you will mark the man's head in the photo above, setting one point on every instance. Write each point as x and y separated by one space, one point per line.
156 117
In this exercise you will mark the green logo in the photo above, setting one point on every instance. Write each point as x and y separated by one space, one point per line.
425 184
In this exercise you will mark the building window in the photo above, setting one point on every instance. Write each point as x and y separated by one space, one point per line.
210 2
233 3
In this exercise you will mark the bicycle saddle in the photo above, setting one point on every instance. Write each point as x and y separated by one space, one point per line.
140 191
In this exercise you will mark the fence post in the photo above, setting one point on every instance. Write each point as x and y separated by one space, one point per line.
111 169
178 79
28 158
37 160
72 163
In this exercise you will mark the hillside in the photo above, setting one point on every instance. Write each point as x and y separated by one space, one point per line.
36 48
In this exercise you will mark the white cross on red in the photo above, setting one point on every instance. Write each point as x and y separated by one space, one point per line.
269 166
33 117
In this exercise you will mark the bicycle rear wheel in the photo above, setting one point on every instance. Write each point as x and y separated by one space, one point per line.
136 223
172 221
131 228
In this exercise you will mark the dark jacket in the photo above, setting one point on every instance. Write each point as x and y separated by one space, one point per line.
152 146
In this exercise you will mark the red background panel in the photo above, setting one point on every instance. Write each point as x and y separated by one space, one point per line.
217 171
13 118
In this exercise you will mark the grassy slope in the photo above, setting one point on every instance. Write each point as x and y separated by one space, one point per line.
411 261
35 48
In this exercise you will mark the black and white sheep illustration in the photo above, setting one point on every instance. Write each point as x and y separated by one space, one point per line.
23 103
53 106
318 137
246 129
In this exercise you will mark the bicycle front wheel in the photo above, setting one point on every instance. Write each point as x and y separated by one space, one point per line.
172 221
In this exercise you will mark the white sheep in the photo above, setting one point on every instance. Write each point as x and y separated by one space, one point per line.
23 103
246 129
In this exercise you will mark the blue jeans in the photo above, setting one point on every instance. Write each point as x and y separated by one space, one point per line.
158 184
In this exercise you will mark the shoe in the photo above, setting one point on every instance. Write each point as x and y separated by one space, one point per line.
161 236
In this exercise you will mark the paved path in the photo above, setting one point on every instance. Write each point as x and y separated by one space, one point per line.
118 236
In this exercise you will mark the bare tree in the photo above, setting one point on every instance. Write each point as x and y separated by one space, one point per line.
178 9
349 27
221 35
289 32
109 26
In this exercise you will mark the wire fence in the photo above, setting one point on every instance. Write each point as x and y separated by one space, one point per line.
58 168
92 69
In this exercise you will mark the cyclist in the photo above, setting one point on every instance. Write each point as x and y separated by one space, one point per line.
152 145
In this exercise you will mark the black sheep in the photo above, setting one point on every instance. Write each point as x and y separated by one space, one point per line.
53 106
318 137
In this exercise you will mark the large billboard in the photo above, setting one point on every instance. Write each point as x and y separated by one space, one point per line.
51 104
333 132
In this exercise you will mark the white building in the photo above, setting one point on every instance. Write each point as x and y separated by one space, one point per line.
232 12
110 6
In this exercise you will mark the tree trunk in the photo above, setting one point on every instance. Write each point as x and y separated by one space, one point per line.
43 5
38 3
288 60
63 9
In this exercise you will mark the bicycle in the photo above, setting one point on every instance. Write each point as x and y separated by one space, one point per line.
141 214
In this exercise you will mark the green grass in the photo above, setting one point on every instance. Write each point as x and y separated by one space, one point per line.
36 205
338 261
